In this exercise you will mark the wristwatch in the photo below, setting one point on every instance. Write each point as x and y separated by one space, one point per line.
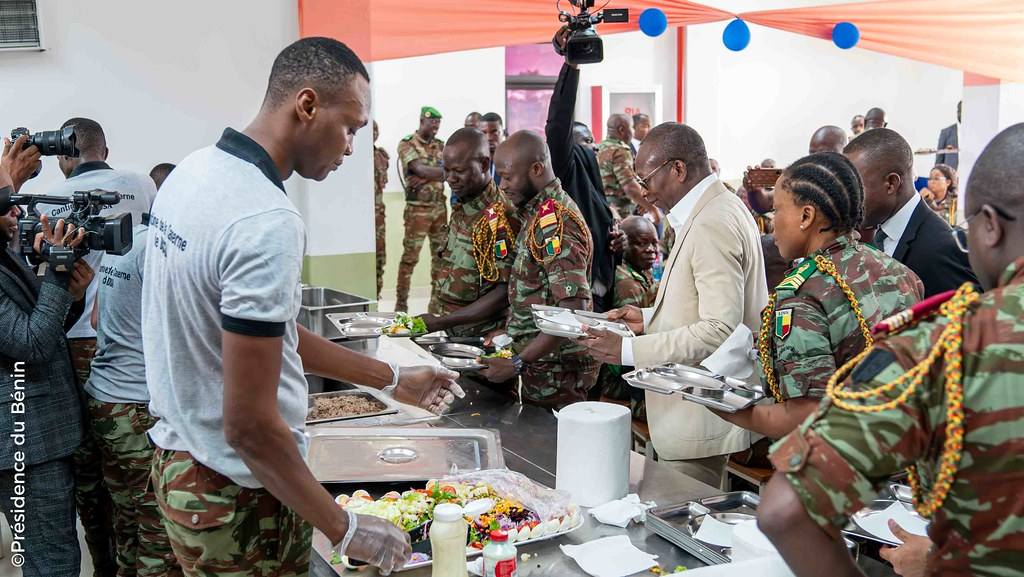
517 363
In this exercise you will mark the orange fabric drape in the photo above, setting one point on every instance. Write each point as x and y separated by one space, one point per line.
402 28
982 36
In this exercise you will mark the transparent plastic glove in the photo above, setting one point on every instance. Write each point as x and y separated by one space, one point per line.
432 388
375 541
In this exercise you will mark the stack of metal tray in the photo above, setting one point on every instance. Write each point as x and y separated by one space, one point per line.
697 385
369 394
384 455
547 320
679 522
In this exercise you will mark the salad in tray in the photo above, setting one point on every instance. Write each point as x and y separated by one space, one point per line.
548 513
405 325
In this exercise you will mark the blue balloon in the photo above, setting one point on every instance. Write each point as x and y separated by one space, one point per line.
736 36
845 35
653 22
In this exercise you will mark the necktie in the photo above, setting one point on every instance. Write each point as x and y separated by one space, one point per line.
880 238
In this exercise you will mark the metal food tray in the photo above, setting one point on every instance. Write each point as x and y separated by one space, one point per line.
389 408
360 325
853 529
389 454
458 357
696 385
678 525
441 338
544 322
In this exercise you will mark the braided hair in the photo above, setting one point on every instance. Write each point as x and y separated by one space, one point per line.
832 184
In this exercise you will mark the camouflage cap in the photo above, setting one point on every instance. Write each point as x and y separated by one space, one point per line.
429 112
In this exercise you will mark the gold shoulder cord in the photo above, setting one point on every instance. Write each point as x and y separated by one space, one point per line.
484 237
764 336
949 345
537 250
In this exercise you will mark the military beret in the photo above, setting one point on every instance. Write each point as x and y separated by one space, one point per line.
429 112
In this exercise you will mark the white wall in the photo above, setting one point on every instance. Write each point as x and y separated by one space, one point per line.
455 84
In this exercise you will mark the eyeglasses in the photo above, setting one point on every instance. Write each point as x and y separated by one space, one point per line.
643 181
960 230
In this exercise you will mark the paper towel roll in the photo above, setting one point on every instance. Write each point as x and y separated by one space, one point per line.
593 452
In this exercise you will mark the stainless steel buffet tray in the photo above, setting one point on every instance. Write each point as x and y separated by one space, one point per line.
360 325
382 454
679 522
697 385
546 319
389 407
458 357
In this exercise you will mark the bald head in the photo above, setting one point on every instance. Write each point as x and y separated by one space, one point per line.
875 118
468 140
671 140
828 139
524 164
885 163
467 163
620 126
634 225
641 242
885 149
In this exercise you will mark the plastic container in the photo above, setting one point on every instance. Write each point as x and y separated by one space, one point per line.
448 533
500 556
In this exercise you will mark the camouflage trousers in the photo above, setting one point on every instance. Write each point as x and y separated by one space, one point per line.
380 221
430 221
220 529
120 432
553 386
92 500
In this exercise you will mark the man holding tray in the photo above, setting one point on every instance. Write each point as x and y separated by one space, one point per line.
714 280
476 260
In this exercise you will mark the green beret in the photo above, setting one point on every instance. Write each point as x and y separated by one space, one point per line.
429 112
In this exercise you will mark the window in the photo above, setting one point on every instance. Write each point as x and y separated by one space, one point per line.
531 71
19 24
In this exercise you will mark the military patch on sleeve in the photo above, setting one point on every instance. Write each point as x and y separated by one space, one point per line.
500 249
875 363
799 276
783 323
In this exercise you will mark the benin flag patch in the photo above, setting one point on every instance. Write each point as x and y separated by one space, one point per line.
783 322
553 246
500 249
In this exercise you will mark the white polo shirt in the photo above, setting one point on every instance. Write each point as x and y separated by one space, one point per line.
225 252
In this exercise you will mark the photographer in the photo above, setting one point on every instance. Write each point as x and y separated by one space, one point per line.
90 171
576 166
40 409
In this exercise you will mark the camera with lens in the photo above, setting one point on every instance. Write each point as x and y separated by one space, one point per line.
50 142
112 234
583 45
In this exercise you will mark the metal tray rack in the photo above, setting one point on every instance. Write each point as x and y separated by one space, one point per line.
679 522
370 395
697 385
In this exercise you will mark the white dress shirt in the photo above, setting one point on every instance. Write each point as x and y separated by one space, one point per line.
677 217
897 225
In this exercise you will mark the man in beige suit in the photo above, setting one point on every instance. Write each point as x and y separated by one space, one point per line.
714 280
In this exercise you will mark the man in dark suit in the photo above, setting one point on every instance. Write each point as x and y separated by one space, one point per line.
40 409
904 227
576 166
949 139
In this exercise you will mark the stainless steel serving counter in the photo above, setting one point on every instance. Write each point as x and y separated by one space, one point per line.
528 436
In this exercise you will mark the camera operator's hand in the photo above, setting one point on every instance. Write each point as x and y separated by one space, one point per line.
81 276
62 234
18 163
560 40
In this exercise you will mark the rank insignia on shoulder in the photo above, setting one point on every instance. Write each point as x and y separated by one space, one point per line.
783 322
500 249
799 276
921 310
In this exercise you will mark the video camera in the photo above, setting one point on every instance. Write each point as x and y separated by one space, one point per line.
112 235
583 45
50 142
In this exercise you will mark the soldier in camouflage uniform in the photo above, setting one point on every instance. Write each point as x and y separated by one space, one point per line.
635 286
615 160
940 395
380 180
820 315
472 294
419 163
552 267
